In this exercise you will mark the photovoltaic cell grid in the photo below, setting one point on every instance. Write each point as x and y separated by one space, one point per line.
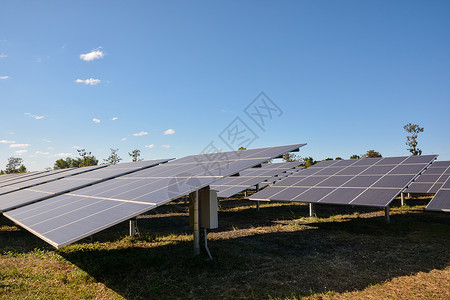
441 201
64 219
8 177
229 186
29 176
432 179
366 182
67 184
49 177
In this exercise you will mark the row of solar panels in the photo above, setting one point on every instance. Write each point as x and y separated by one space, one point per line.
366 182
64 206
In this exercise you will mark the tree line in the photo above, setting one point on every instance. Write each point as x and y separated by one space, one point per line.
15 165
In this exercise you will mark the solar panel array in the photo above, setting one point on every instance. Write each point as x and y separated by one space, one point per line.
366 182
229 186
80 178
66 218
441 201
45 177
432 179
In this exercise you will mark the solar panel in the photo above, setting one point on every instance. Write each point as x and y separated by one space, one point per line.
67 184
230 186
8 177
64 219
431 179
49 177
441 201
367 182
27 176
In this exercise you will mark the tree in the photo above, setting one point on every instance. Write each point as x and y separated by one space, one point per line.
22 169
242 148
114 158
411 140
1 172
338 158
328 158
355 156
290 157
13 165
86 158
309 161
372 154
135 154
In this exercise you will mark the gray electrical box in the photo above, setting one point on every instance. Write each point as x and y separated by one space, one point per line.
209 217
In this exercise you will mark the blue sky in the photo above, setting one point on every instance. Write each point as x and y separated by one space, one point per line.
344 75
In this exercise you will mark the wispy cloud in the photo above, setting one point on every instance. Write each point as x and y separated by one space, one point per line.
63 154
42 153
90 81
34 116
95 54
169 131
150 146
6 142
50 148
46 140
4 77
165 146
19 145
77 147
2 55
140 133
95 120
20 152
115 118
124 139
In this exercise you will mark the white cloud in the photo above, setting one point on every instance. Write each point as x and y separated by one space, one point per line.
20 152
19 145
169 131
95 54
6 142
165 146
41 153
124 139
3 55
95 120
50 148
140 133
150 146
4 77
115 118
90 81
46 140
34 116
63 154
77 147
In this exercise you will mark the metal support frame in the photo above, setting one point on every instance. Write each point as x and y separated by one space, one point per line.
312 210
386 215
134 230
257 190
205 236
194 198
402 199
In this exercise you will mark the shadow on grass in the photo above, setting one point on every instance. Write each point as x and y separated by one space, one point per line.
314 258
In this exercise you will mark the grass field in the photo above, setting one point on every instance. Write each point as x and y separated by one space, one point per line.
275 253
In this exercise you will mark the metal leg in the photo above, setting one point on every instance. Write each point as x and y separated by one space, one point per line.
312 210
409 195
257 202
195 201
133 227
386 214
402 199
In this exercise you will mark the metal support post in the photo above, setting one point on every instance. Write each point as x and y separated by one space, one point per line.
402 199
312 210
133 228
194 199
185 199
409 195
257 202
386 215
205 235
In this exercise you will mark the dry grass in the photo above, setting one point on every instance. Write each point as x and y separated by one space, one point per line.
274 253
